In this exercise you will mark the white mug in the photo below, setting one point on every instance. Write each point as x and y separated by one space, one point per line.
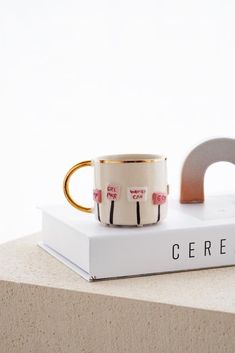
129 189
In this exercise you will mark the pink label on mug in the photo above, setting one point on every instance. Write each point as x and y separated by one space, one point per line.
113 192
158 198
137 193
97 195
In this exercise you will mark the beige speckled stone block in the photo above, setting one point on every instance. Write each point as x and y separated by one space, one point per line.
45 308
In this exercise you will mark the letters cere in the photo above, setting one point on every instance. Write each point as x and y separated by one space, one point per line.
208 249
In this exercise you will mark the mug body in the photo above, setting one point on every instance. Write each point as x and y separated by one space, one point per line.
130 190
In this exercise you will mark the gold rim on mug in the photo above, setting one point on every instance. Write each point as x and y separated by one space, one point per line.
130 160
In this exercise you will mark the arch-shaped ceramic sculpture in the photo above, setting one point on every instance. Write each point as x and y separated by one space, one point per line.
196 164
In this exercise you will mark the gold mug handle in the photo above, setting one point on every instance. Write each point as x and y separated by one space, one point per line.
66 186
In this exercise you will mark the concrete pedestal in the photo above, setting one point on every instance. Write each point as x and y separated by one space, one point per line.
45 308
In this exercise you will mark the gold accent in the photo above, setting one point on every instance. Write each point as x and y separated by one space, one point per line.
66 186
116 161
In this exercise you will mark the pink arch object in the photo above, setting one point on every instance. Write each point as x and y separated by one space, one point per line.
196 164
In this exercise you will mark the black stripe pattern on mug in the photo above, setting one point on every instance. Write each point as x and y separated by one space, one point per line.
137 194
112 194
158 199
97 197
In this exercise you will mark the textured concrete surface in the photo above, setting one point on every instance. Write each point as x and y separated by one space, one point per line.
45 307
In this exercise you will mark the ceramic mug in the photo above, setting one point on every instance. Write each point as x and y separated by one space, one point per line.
129 189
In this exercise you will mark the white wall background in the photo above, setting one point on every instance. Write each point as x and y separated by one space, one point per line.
85 78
